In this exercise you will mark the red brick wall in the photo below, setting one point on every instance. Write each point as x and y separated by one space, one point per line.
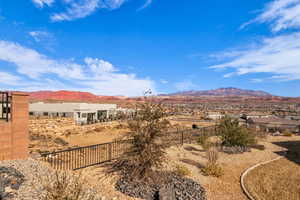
14 134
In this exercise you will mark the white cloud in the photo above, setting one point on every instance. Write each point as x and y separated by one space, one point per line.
185 85
164 81
33 64
146 4
278 56
99 66
96 75
40 35
41 3
8 79
281 14
113 4
76 10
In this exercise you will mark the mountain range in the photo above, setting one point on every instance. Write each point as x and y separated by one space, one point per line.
64 95
230 91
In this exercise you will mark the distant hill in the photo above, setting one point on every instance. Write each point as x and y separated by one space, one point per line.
230 91
64 95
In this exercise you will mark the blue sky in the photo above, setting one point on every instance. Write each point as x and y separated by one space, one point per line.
125 47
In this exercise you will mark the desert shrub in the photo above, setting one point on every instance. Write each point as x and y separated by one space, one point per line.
62 185
182 170
232 134
212 168
202 139
204 142
287 133
147 151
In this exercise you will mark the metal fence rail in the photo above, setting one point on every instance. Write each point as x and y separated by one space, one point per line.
82 157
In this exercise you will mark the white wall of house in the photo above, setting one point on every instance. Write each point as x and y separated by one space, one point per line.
79 111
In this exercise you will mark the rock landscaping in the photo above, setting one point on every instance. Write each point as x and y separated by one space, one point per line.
21 180
183 189
10 182
235 149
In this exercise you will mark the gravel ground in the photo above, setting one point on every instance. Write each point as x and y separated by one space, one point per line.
181 188
33 172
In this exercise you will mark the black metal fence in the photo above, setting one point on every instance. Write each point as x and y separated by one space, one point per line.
82 157
5 106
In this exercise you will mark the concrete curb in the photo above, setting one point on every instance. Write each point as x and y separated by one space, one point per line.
246 192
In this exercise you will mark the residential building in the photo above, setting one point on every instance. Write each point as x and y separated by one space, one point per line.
274 124
82 113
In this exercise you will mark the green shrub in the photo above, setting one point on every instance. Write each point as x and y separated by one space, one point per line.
182 170
232 134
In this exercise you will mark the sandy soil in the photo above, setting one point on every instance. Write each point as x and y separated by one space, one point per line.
277 180
226 187
188 121
193 157
74 135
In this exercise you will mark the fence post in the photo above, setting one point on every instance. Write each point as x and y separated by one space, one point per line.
110 151
182 138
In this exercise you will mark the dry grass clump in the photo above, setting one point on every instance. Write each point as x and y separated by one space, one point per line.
212 168
278 180
182 170
62 185
287 133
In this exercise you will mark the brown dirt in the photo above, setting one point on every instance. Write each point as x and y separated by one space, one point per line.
192 156
226 187
47 130
278 180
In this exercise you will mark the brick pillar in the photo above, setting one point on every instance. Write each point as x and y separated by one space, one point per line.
19 125
5 140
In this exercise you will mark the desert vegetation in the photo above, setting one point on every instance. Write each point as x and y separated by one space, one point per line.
141 168
64 185
212 168
232 134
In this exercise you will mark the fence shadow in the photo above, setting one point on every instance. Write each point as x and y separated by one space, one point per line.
293 150
193 163
190 148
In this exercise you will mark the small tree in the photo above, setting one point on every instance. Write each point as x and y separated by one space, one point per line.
147 150
232 134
